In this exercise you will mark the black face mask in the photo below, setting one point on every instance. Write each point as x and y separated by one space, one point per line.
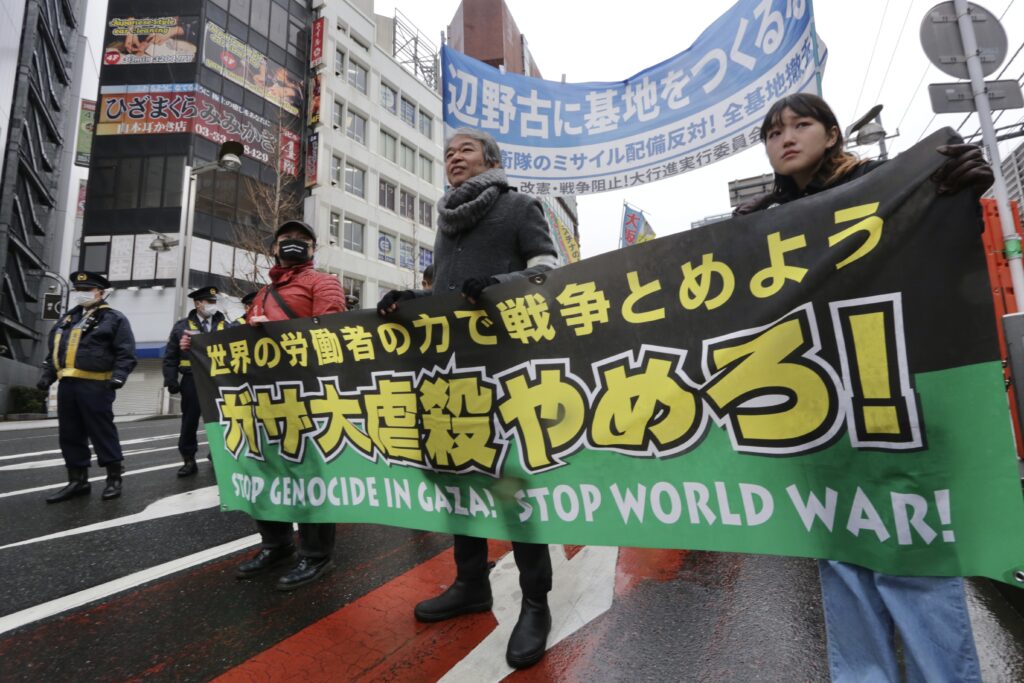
293 250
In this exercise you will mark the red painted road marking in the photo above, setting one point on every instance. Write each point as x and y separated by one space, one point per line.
376 637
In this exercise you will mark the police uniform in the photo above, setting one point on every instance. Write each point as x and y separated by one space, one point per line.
91 352
175 363
247 301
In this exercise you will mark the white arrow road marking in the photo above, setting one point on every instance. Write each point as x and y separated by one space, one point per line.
39 464
129 442
102 477
190 501
84 597
582 590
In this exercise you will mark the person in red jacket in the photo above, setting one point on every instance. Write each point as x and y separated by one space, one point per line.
301 293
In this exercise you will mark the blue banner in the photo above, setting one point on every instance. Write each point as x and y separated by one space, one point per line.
702 105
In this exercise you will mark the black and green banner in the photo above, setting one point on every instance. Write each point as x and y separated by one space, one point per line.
820 379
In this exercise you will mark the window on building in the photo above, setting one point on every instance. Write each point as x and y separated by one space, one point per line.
94 256
355 127
336 170
359 40
126 193
354 235
357 75
338 116
386 246
387 146
406 254
408 158
426 125
387 195
339 62
427 168
426 213
353 287
426 257
335 227
355 180
388 97
152 182
408 113
407 205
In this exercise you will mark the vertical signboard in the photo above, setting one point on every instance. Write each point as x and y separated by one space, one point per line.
86 126
312 159
314 101
316 44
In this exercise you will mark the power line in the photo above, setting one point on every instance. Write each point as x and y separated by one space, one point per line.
892 55
874 47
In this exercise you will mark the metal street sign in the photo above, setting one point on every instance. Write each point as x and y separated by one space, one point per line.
958 97
53 306
940 38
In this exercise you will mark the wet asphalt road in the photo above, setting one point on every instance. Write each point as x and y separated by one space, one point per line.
157 612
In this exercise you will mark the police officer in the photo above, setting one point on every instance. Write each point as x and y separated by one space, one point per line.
205 316
92 352
247 302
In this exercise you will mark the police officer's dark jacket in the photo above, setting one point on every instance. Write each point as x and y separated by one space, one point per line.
173 360
102 348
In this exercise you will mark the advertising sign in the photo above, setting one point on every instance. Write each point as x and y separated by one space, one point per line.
691 110
146 109
316 44
312 159
251 69
313 115
86 128
150 40
162 109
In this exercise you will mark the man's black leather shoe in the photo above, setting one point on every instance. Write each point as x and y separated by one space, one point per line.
308 570
462 597
189 468
113 488
529 638
265 559
78 485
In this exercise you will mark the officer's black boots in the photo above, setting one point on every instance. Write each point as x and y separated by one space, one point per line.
189 468
529 638
78 485
113 487
462 597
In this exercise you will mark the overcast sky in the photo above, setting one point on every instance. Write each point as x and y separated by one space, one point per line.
872 59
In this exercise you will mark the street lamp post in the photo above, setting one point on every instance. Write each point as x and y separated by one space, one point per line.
229 159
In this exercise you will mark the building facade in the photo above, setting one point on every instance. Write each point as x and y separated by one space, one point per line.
41 47
375 157
178 78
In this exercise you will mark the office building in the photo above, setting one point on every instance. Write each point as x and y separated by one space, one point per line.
41 54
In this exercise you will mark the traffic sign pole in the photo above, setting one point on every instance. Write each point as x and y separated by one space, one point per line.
1011 240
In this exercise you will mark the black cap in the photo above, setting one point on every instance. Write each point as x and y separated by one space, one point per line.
204 293
296 225
249 298
84 278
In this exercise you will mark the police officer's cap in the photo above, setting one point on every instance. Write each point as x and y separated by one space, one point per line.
296 225
84 278
249 298
204 293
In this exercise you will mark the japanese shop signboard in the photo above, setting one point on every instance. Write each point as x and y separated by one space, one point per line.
251 69
184 108
86 128
778 392
146 109
312 159
313 115
150 40
316 44
698 107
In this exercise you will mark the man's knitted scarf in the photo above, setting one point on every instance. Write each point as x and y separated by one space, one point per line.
462 207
